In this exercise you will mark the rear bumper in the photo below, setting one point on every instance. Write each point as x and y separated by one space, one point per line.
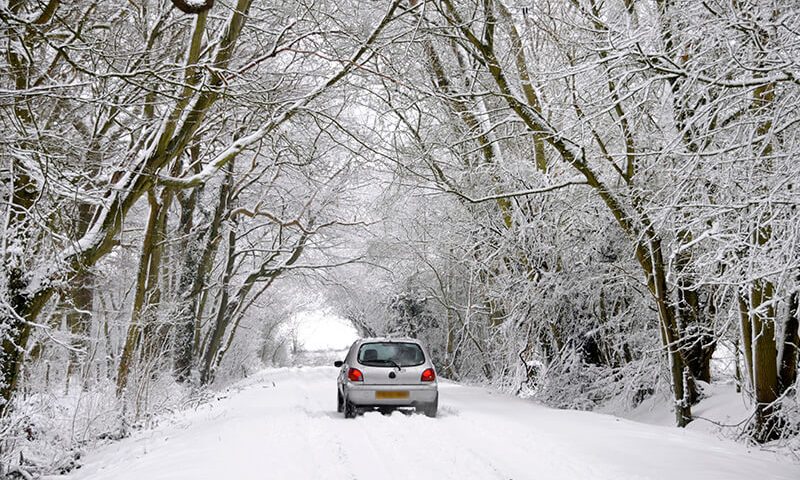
364 395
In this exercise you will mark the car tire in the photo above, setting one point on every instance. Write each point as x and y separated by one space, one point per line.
339 402
431 409
349 410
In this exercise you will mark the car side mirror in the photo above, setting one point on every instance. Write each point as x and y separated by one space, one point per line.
338 363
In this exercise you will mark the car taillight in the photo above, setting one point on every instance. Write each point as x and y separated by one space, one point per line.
355 375
428 375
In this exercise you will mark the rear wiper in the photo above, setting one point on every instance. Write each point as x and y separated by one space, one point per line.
399 369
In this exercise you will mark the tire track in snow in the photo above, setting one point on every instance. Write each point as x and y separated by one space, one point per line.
332 459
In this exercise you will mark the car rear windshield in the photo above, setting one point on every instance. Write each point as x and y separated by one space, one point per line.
391 354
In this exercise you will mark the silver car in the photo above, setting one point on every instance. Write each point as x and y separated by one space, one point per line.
385 374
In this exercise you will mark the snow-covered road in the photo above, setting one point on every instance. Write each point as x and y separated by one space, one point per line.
283 425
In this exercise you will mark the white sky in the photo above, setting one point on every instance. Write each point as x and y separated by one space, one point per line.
320 330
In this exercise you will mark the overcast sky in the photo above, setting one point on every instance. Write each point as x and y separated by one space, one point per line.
319 330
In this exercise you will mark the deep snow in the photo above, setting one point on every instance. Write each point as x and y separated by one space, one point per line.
282 424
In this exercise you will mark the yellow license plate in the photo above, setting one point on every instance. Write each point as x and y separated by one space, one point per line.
393 394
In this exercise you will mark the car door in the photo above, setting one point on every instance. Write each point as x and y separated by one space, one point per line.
349 360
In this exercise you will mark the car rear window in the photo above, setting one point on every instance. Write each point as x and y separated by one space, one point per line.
390 354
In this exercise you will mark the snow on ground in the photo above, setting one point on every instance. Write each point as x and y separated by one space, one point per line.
721 405
282 424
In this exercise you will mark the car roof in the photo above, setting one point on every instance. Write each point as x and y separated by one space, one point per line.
389 340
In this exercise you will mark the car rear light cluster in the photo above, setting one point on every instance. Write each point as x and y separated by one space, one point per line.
355 375
428 375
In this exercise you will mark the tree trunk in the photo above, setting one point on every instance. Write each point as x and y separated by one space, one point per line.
79 317
765 358
651 260
132 339
154 334
789 347
14 323
746 335
698 344
450 345
15 337
183 336
79 321
224 312
194 274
